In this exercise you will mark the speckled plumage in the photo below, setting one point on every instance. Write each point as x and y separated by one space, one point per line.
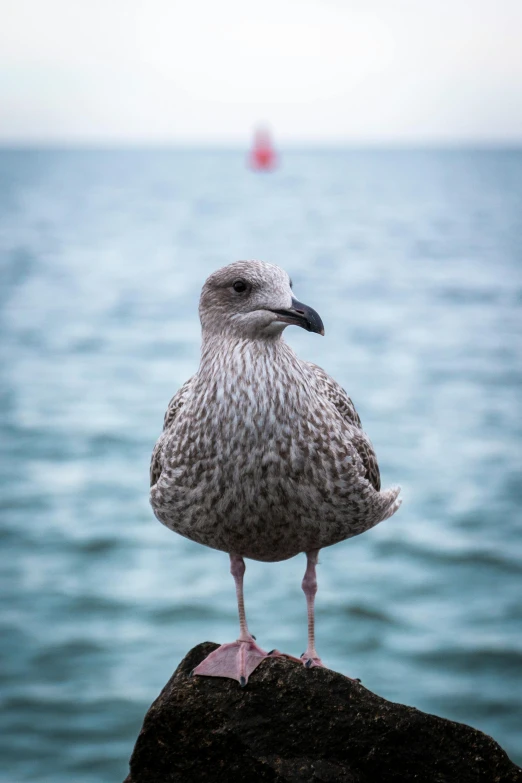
262 454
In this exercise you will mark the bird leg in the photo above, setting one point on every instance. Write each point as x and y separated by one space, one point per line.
238 659
309 585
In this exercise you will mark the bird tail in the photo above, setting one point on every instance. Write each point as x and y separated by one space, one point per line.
390 502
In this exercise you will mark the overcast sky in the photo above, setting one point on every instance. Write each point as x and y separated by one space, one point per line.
354 71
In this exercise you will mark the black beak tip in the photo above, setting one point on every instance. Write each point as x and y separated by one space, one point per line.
302 315
315 328
310 317
316 325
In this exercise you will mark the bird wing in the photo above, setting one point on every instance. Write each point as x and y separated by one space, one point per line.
362 444
173 409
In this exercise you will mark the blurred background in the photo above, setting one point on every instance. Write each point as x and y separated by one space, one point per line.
395 203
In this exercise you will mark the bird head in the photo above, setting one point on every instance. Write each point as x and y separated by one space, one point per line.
253 299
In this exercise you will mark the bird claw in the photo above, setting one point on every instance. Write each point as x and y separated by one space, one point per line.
310 662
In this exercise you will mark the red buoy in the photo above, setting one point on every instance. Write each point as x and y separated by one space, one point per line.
263 156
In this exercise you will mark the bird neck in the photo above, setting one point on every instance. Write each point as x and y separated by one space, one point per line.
232 355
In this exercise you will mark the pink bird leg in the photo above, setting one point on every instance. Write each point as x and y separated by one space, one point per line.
238 659
309 585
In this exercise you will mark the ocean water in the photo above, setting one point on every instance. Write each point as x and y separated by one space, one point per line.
414 261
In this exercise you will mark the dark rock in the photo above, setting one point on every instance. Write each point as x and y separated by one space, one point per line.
300 725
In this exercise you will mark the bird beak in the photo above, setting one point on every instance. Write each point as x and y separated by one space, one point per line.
301 315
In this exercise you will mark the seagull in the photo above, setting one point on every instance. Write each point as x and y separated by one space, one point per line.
262 454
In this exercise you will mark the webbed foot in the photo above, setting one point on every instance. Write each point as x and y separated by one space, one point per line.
236 660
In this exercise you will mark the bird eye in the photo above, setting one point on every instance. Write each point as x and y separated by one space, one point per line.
239 286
